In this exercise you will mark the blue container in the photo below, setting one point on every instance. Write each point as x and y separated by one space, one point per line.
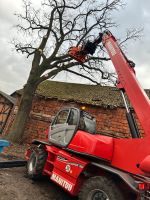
3 143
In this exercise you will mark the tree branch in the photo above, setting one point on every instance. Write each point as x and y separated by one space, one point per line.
83 76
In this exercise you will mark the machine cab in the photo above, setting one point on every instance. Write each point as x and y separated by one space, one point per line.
67 122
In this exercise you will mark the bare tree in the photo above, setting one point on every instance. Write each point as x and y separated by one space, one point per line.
48 33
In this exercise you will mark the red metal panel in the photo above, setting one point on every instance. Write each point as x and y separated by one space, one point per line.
128 153
70 164
145 165
64 169
94 145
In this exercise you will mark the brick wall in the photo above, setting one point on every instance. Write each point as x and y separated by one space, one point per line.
109 121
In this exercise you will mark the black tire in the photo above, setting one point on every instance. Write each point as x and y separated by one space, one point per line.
36 163
100 188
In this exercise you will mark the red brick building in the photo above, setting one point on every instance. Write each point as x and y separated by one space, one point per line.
104 102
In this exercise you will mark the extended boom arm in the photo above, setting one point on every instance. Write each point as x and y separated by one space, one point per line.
127 81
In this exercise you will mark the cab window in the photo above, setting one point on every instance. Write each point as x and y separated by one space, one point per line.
62 117
73 117
87 123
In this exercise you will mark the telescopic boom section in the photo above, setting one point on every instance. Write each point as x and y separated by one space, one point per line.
126 75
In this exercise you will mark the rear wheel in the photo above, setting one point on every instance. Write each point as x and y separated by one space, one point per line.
36 163
100 188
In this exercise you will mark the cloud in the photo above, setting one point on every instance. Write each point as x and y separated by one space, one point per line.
136 14
13 72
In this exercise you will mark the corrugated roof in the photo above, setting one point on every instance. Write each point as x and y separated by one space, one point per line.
104 96
8 97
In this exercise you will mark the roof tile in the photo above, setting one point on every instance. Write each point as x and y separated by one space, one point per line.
104 96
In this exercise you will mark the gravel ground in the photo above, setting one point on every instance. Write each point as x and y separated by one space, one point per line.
14 185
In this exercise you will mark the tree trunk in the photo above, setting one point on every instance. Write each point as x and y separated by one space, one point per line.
16 132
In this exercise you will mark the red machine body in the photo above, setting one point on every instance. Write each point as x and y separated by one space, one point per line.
100 146
84 154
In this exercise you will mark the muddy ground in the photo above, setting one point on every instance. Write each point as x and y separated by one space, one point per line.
14 185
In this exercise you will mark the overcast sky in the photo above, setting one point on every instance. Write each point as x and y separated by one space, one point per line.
14 68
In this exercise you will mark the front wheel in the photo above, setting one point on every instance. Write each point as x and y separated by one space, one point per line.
100 188
36 163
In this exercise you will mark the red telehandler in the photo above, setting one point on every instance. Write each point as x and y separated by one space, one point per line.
93 166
